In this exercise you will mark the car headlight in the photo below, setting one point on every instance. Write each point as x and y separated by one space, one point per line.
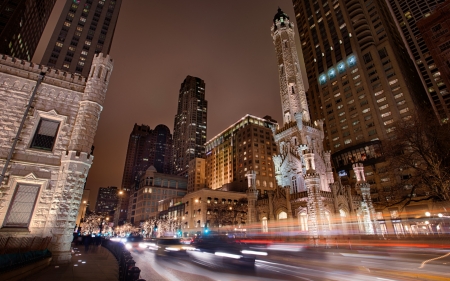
256 253
233 256
128 246
172 249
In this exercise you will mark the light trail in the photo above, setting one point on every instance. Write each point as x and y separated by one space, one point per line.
425 262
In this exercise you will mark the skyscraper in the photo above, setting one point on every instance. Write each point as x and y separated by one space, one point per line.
146 148
22 23
360 77
434 31
85 28
245 146
189 135
107 199
407 14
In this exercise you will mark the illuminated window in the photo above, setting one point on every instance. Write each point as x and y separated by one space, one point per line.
398 96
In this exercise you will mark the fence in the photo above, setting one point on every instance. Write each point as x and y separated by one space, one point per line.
127 269
19 251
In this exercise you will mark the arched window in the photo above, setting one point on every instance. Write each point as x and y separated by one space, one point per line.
264 183
343 216
282 216
271 184
265 227
257 183
303 221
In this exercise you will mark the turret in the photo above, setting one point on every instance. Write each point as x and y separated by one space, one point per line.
91 104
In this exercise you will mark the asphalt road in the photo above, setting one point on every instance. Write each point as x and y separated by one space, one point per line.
320 264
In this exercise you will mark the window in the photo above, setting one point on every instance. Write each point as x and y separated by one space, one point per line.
390 121
398 96
22 205
386 114
45 135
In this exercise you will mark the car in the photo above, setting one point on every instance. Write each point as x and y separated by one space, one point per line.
223 250
168 246
135 237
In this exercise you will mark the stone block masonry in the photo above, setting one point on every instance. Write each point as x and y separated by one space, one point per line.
43 186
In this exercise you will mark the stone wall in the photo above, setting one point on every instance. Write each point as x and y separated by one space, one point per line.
76 103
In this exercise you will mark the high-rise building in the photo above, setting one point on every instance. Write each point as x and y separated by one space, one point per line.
22 23
146 148
245 146
407 14
107 200
196 175
153 187
189 135
361 79
85 28
434 31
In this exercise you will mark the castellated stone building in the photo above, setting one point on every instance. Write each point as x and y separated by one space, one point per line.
305 184
43 184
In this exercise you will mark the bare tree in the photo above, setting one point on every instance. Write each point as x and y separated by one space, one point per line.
92 223
222 214
419 161
126 229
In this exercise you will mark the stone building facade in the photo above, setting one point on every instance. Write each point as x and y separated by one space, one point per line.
43 184
153 187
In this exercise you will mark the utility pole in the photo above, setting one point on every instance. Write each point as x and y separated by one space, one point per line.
19 131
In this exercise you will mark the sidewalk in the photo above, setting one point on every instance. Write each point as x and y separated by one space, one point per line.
97 264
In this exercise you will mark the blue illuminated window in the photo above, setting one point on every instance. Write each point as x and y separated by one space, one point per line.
332 73
322 79
341 67
351 61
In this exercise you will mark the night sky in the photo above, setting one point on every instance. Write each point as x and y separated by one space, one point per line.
158 43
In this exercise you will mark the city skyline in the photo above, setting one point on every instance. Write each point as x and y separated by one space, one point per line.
149 93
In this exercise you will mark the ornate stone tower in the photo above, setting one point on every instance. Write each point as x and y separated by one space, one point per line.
292 90
77 160
252 195
302 164
370 222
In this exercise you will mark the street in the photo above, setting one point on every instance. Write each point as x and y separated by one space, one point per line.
315 264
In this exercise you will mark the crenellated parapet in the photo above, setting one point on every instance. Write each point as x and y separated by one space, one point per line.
23 69
79 157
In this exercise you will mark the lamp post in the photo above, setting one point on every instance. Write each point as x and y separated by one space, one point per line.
118 208
83 210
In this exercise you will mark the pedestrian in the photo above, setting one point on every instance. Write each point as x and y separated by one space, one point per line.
87 241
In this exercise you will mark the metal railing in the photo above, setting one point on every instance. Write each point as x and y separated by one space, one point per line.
127 269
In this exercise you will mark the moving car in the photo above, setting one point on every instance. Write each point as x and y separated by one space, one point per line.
222 250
